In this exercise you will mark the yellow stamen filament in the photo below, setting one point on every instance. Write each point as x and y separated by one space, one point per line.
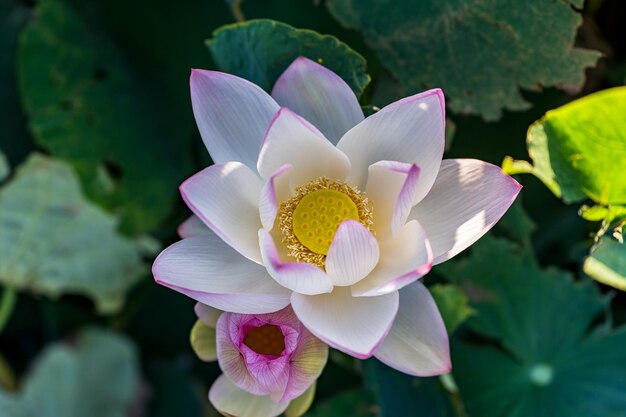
309 220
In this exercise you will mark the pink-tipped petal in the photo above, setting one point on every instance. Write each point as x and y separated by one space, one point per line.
292 140
193 226
354 325
404 258
352 255
418 342
207 314
275 191
467 199
297 276
204 267
232 115
411 130
245 368
249 303
306 365
231 400
226 198
320 96
392 188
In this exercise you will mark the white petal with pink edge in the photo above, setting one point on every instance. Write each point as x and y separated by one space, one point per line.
191 227
226 198
418 342
232 115
207 314
354 325
320 96
208 270
297 276
352 255
467 199
307 364
275 191
206 263
292 140
249 303
229 399
404 258
411 130
392 188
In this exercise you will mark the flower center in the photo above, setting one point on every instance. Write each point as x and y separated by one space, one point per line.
318 215
265 340
309 220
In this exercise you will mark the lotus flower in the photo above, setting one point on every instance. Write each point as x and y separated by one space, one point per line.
340 215
268 360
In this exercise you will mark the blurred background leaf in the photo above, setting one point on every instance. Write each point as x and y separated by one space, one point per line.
53 241
87 105
96 374
453 305
579 150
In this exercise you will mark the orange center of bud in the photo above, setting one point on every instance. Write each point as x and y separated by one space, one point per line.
265 340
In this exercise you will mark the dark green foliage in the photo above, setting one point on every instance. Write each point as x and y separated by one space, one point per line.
547 361
479 52
87 105
266 48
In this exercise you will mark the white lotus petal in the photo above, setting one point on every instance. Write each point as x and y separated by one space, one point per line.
320 96
226 198
297 276
467 199
392 188
354 325
191 227
292 140
352 255
208 270
411 130
232 115
418 342
404 258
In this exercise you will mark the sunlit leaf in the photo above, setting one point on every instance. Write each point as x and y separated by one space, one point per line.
260 50
579 150
53 241
607 263
480 52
